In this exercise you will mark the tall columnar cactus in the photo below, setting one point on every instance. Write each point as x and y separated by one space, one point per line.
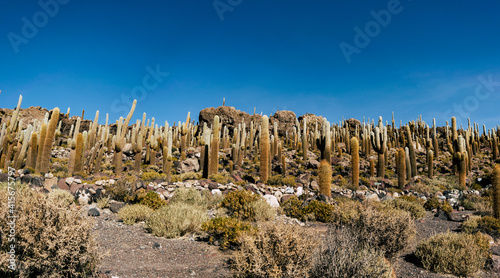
372 168
355 162
379 144
435 139
304 139
33 150
462 159
496 192
184 133
264 150
78 153
430 164
325 178
48 141
119 139
401 167
411 148
213 166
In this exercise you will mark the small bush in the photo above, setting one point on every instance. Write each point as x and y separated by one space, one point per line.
61 197
413 199
103 202
152 200
122 190
186 176
150 176
489 225
432 203
226 231
221 178
190 196
391 230
176 220
318 211
263 211
279 180
276 250
346 254
52 239
469 226
134 213
454 253
238 203
347 211
292 207
416 210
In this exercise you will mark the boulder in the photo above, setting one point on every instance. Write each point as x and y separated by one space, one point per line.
4 177
93 212
229 117
50 184
61 184
286 121
115 206
27 179
272 200
188 165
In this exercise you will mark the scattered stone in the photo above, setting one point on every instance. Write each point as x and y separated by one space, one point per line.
272 200
93 212
115 206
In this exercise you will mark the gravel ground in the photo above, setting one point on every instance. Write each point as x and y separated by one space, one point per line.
132 252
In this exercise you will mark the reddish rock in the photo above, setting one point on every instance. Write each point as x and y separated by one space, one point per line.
62 185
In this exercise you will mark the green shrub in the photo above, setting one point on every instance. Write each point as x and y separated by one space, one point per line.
432 203
413 199
122 190
489 225
238 203
318 211
176 220
416 210
186 176
150 176
454 253
131 214
390 230
346 254
61 197
222 178
51 238
446 207
470 226
276 250
152 200
292 207
226 231
190 196
279 180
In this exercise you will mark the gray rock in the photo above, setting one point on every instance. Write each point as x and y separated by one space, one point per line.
93 212
50 183
272 200
188 165
115 206
300 191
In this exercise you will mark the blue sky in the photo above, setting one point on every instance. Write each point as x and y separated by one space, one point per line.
431 58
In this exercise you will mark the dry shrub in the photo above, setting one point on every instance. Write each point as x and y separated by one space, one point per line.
193 197
276 250
346 254
263 211
176 220
416 210
347 211
454 253
134 213
317 210
61 197
390 230
239 204
103 202
51 240
152 200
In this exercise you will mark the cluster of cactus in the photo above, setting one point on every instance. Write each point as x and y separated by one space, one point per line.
31 145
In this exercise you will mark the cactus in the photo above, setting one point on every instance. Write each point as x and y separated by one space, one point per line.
213 165
496 191
304 140
372 168
401 167
31 162
430 164
379 144
264 150
325 178
78 153
355 163
413 160
49 139
283 165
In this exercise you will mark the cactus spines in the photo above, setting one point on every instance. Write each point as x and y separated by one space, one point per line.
355 162
213 165
496 191
264 150
325 178
430 164
49 139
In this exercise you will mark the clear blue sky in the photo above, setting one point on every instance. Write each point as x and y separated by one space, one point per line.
272 55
